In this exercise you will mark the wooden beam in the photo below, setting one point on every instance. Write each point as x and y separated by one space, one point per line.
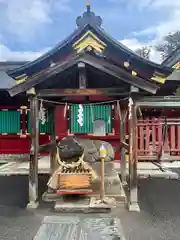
109 68
34 150
82 76
82 92
159 102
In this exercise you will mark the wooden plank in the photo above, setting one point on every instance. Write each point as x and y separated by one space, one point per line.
81 92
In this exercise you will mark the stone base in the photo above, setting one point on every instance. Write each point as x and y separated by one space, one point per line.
32 205
84 205
107 203
133 207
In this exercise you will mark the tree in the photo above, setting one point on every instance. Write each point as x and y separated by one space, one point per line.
144 52
170 43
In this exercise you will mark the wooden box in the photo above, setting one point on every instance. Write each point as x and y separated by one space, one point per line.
74 181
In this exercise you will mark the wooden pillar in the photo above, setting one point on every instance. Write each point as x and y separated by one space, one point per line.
133 178
53 140
82 76
34 150
123 150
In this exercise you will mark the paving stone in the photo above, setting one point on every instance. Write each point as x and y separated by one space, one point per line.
80 228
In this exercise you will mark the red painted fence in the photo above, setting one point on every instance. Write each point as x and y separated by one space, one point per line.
156 135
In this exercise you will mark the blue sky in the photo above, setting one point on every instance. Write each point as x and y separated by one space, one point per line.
28 28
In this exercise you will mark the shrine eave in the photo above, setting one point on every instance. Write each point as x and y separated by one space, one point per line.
94 61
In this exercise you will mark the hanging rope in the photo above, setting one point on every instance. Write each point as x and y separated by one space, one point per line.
85 104
65 110
119 110
42 113
73 165
68 165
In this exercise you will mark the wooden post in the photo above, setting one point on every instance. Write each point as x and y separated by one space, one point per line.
133 181
123 150
34 150
53 139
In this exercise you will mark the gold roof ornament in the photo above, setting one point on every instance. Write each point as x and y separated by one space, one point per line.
20 79
88 4
158 78
89 41
134 73
177 66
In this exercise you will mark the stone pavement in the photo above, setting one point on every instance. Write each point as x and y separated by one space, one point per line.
81 227
159 218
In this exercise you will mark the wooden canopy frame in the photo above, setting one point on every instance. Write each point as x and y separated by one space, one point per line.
35 94
34 98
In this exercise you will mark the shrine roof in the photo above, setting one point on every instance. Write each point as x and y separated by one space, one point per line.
89 35
11 65
92 60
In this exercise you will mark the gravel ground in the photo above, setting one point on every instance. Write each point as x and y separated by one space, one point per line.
159 218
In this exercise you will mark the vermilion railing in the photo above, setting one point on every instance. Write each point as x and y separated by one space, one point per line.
158 135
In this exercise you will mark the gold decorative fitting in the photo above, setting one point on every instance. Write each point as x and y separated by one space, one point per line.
158 78
89 41
31 91
20 79
177 66
134 73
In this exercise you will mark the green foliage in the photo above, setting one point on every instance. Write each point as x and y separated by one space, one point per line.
144 52
170 43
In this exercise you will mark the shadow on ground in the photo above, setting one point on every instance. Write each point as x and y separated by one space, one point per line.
14 190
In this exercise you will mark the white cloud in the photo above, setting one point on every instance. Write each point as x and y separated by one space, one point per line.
7 55
24 19
134 44
169 25
164 28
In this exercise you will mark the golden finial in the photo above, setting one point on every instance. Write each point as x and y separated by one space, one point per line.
88 6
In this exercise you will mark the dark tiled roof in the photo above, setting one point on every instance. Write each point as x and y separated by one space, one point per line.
10 65
5 80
